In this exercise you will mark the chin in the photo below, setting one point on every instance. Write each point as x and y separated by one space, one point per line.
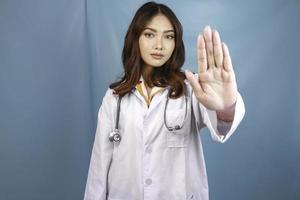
155 64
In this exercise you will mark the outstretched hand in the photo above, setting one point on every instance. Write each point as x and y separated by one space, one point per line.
215 85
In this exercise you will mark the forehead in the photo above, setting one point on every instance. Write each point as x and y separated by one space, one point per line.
160 22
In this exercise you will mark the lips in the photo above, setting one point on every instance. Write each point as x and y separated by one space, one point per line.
157 55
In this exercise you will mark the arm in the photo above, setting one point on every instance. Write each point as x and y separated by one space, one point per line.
96 185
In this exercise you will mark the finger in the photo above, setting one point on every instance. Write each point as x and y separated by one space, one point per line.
202 61
194 81
209 46
226 58
218 53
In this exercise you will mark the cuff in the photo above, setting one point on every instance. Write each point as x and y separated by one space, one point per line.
220 130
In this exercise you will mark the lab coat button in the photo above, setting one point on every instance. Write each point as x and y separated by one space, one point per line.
149 181
149 150
145 124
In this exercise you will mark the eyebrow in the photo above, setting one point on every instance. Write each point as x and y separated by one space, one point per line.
167 31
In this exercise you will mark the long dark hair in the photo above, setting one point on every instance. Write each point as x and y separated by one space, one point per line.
170 73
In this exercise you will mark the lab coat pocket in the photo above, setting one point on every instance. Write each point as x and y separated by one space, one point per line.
177 138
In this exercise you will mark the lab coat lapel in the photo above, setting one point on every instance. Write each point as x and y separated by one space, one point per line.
157 99
139 96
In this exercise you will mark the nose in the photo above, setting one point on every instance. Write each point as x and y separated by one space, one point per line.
158 48
158 44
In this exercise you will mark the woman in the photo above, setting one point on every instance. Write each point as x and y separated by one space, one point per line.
158 154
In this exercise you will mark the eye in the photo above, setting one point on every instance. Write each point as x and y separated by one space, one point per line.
148 35
171 37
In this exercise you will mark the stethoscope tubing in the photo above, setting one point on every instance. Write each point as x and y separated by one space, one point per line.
115 136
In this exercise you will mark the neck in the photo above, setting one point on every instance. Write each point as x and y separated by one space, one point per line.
147 73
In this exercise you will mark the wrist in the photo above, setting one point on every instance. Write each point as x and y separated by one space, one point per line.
226 114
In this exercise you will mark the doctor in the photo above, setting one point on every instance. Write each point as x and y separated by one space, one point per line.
152 161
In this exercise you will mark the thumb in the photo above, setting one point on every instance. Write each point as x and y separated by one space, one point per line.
194 82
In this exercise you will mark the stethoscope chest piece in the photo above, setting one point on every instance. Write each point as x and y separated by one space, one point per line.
115 136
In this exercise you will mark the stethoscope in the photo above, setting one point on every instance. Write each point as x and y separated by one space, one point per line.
115 135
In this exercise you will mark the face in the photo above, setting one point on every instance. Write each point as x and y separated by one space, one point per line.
157 41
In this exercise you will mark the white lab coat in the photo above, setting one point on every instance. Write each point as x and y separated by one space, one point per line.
151 163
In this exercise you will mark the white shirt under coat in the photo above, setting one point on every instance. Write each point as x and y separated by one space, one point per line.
151 163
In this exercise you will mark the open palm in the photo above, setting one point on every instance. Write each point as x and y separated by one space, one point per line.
215 85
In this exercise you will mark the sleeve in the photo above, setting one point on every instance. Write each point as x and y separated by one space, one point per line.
96 185
220 131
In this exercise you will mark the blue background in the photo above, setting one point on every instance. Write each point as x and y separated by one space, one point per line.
58 57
